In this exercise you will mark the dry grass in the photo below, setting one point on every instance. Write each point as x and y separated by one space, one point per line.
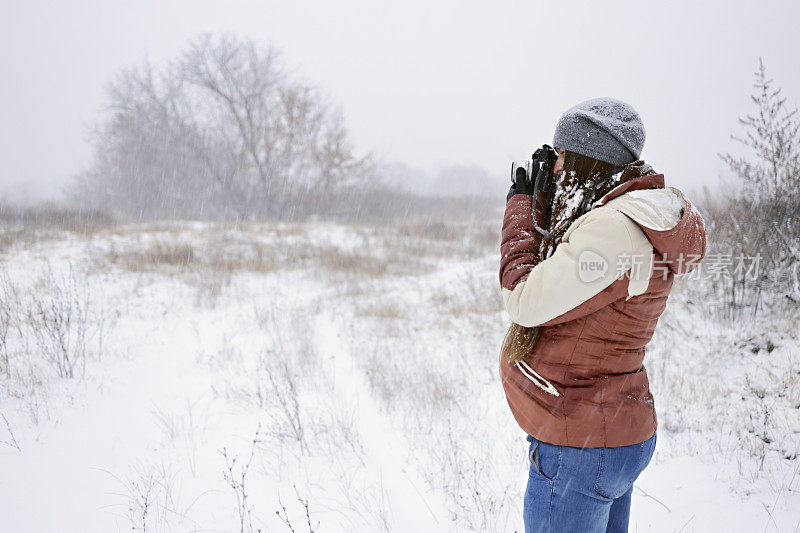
437 239
360 263
24 237
740 374
52 215
217 256
25 226
401 382
389 310
477 293
169 257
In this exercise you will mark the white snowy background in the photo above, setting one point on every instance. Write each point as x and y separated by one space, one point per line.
327 376
349 368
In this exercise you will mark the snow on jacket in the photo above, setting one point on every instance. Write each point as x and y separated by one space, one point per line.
598 298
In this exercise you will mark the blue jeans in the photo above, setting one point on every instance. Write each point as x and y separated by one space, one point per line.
582 489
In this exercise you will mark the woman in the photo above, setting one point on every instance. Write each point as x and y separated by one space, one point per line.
585 294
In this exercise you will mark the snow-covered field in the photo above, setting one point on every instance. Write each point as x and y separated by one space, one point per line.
330 377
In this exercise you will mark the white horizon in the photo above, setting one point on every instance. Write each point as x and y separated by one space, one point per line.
426 86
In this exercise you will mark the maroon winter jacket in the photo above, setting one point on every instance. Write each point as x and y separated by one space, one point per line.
583 384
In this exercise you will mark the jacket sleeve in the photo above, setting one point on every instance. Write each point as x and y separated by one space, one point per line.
519 248
600 248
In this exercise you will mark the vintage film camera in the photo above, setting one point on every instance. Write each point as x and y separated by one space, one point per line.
538 171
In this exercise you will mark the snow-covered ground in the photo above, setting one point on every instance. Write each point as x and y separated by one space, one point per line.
341 378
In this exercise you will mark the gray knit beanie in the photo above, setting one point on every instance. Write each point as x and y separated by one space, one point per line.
602 128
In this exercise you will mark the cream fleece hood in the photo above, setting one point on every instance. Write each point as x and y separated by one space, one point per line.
617 237
669 221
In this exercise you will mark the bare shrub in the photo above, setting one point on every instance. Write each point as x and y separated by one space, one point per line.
740 375
150 502
401 384
12 439
236 478
760 214
60 320
290 355
283 391
340 427
140 505
9 320
284 515
289 337
466 481
181 427
277 376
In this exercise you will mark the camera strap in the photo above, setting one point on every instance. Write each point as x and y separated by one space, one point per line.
589 196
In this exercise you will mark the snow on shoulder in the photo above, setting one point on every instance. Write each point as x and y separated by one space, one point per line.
658 209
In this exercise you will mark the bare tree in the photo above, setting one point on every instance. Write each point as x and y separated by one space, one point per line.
222 131
773 135
760 214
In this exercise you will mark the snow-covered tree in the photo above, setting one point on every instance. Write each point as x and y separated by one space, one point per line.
760 216
772 172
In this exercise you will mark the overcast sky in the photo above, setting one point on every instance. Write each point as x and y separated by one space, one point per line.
429 84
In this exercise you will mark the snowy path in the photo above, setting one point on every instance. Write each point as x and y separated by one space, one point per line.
410 507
